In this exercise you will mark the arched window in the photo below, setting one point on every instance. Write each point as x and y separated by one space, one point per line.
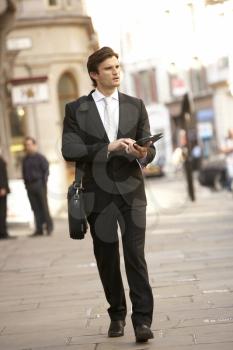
67 91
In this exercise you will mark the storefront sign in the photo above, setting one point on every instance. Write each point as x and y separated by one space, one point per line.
178 86
18 43
30 93
205 115
205 130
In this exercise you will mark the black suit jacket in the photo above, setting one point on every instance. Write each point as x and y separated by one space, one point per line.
3 176
85 141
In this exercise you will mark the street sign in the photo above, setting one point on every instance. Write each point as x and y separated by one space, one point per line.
22 43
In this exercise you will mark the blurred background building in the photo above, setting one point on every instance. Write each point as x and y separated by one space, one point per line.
167 49
183 47
44 67
7 14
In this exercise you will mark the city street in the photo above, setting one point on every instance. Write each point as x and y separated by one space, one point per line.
80 80
51 296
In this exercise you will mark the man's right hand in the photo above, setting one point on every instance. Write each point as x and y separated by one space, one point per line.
3 192
119 145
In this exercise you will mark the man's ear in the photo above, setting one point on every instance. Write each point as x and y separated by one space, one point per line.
93 75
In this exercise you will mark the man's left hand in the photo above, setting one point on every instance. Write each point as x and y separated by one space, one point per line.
137 151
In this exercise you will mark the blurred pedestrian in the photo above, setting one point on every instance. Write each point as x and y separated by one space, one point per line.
35 174
100 132
196 156
227 149
4 190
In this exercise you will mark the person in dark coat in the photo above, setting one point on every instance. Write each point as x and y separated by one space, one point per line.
99 134
35 175
4 190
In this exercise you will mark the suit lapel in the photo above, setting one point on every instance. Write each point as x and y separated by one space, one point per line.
123 120
95 119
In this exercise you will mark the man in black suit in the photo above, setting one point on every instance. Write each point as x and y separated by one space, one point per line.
4 190
35 170
99 135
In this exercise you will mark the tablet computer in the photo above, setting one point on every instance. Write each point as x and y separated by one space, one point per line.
153 139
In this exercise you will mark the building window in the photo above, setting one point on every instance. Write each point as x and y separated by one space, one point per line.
53 2
67 91
145 85
177 85
17 118
223 63
17 122
198 80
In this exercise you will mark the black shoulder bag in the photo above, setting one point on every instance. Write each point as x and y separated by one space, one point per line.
76 211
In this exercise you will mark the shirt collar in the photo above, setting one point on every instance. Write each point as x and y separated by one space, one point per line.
97 95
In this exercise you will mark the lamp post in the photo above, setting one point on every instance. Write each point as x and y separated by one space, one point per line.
185 119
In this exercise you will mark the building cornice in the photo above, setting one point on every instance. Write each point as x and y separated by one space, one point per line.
28 80
48 59
219 84
178 100
63 20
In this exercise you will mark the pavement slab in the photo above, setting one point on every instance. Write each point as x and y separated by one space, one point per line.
51 296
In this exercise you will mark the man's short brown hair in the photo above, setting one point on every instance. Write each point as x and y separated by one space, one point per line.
98 57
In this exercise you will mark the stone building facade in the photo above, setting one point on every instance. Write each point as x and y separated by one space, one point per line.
47 51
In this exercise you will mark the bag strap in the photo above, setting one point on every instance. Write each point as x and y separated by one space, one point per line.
79 172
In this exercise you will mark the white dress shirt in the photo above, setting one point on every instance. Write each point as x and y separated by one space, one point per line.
114 107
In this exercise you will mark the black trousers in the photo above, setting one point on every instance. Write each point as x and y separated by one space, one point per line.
37 195
3 213
103 227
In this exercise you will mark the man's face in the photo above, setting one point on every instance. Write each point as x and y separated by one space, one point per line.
108 76
30 147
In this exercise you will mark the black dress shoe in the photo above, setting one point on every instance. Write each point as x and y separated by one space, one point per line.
36 234
49 231
143 333
116 329
7 237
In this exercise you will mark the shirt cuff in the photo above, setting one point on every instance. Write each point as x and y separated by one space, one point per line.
143 161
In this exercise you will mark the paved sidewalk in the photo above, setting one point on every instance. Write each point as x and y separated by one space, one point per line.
51 296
